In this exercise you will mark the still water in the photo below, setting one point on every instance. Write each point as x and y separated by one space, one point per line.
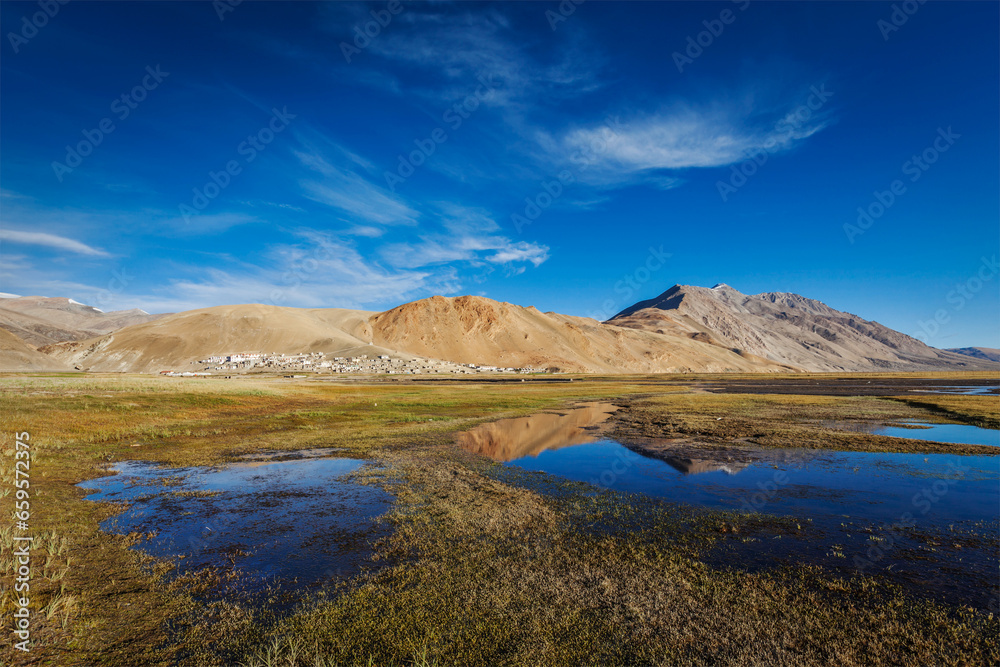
926 521
296 520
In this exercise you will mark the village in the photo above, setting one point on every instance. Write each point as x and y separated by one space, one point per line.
320 362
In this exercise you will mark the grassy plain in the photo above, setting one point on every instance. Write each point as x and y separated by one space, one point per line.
486 568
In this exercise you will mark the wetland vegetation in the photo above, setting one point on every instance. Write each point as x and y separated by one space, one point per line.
477 561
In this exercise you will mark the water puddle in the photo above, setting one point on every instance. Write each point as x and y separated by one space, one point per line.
915 518
967 390
874 487
274 522
957 434
963 434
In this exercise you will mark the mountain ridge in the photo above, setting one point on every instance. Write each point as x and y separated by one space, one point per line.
40 321
468 329
785 327
986 353
684 329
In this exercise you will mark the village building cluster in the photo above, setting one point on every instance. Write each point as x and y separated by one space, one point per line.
319 362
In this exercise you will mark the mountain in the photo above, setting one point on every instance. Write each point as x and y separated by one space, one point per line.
16 355
466 329
984 353
787 328
473 329
685 329
174 341
42 321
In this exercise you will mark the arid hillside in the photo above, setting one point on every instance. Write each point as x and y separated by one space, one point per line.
983 353
39 320
460 329
787 328
16 355
686 329
174 341
472 329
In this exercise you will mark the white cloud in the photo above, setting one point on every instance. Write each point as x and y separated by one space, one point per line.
365 230
469 238
460 219
257 203
522 251
463 46
429 252
317 270
350 192
322 271
679 138
50 241
203 223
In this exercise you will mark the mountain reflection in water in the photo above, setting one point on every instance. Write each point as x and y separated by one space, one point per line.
698 466
510 439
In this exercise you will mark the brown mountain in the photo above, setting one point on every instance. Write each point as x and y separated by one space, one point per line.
39 320
16 355
465 329
174 341
473 329
787 328
684 329
984 353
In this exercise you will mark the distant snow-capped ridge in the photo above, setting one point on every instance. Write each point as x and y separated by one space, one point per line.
40 320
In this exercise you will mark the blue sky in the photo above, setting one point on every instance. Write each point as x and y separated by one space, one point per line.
629 151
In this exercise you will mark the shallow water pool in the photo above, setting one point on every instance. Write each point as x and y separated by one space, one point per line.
274 521
870 486
962 434
928 522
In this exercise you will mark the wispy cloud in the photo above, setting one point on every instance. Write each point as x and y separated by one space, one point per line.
439 250
469 237
680 137
201 224
320 271
313 274
342 187
50 241
459 46
685 139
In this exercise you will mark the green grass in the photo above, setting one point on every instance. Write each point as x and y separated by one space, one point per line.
982 411
483 570
812 422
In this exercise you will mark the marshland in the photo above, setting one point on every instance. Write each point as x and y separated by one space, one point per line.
608 520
